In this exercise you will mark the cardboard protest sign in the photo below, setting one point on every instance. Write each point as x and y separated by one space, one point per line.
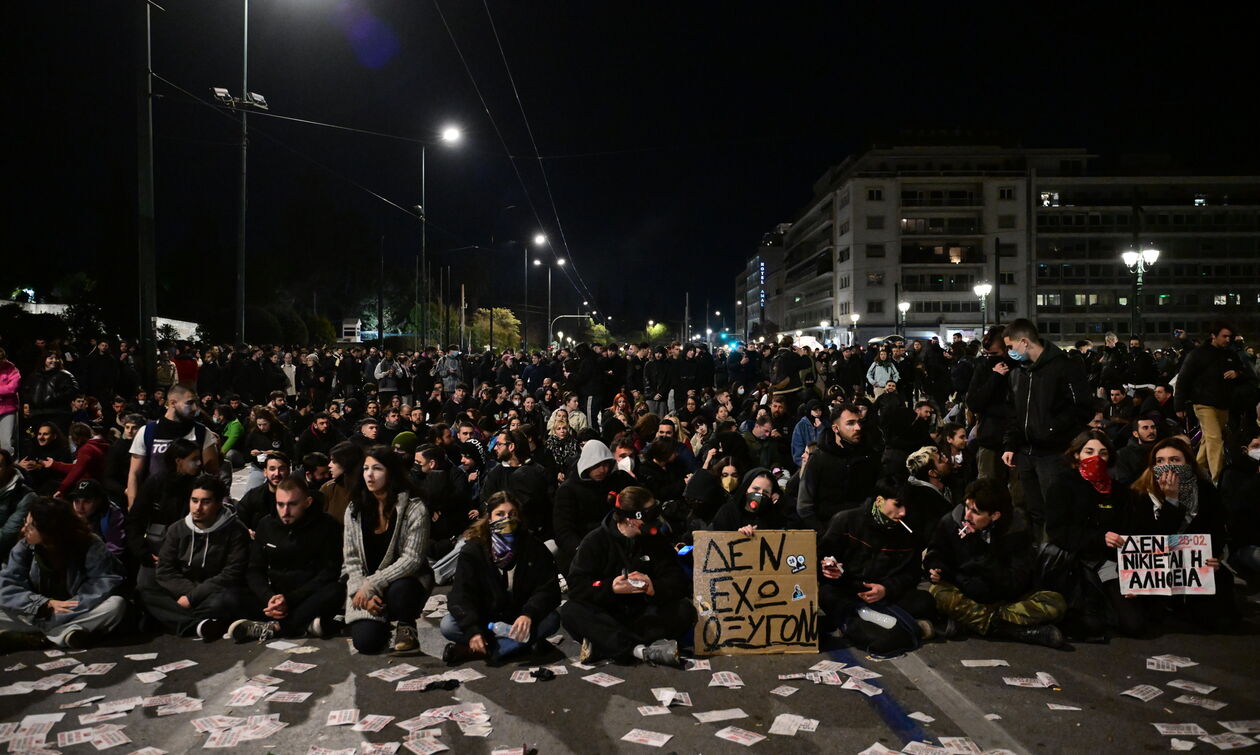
756 594
1166 565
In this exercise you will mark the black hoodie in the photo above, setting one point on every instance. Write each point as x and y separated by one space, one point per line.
294 560
734 515
1052 401
605 553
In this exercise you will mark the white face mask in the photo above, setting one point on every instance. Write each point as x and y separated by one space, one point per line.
1254 453
625 464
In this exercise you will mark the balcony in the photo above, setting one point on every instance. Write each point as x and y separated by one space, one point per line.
916 254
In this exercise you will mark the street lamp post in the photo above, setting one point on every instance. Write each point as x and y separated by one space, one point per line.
902 308
449 135
1138 263
983 290
540 239
853 318
824 326
559 262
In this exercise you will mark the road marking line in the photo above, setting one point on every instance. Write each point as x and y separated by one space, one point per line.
956 705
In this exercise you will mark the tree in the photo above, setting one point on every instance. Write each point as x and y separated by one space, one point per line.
320 330
84 321
291 324
507 329
262 326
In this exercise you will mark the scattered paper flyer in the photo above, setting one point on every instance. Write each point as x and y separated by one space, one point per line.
645 737
789 677
523 676
104 738
383 748
175 666
1181 745
827 666
1047 679
739 736
1144 692
1180 661
960 746
656 710
1060 706
372 723
1228 741
1242 727
878 749
1202 702
712 716
54 665
75 687
603 680
96 669
420 746
288 697
294 667
342 717
787 724
860 672
89 700
393 673
923 717
870 690
728 679
1030 682
464 675
984 663
1156 664
149 677
1181 730
141 656
923 748
1195 687
698 664
281 645
783 690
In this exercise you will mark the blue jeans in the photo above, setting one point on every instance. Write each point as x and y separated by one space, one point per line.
501 647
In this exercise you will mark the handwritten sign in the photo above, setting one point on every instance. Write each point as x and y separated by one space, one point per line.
756 594
1166 565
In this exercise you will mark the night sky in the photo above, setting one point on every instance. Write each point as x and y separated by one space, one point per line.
673 134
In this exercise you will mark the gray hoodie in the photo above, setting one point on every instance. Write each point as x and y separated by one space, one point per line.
198 562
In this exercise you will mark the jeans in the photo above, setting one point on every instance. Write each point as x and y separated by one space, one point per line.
404 600
1212 422
100 620
8 427
502 647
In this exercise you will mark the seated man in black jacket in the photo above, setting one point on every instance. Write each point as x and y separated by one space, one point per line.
294 569
870 574
980 561
585 499
628 596
506 589
200 582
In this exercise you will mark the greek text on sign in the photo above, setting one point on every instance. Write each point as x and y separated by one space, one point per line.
1166 565
756 594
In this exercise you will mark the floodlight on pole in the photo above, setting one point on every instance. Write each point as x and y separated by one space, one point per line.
452 134
540 239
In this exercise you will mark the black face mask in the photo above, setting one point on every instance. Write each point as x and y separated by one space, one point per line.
756 503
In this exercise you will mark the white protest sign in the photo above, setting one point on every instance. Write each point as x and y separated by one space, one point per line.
1166 565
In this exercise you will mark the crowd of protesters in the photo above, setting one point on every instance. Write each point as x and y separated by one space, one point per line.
955 488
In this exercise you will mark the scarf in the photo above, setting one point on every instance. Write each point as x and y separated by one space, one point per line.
503 543
1187 492
878 516
1094 470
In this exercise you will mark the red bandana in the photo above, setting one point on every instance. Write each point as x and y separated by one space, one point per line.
1094 469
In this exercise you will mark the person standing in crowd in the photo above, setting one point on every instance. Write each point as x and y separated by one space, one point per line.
152 440
1205 386
1052 404
58 583
385 545
628 597
506 589
200 576
50 391
10 389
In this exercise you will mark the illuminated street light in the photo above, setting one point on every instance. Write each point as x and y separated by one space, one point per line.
1138 264
983 290
903 307
540 239
451 134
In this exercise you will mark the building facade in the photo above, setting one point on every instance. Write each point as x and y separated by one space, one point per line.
922 227
759 288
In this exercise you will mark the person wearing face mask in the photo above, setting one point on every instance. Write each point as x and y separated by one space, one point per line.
629 599
152 440
583 501
989 399
1052 404
1174 495
869 576
980 562
1240 489
1082 516
506 589
755 504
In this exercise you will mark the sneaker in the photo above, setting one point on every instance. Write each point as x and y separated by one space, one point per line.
1047 635
586 651
456 653
926 629
405 639
316 629
663 653
211 629
244 630
77 639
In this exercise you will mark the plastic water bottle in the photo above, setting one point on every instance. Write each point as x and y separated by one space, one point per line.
876 617
500 628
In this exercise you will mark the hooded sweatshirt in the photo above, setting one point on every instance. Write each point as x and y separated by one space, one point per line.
582 503
199 562
735 514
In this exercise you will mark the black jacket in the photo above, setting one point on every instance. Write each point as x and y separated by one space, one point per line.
838 477
989 396
987 571
1052 404
883 554
199 563
1078 517
734 514
530 486
1140 518
161 501
49 391
1202 378
581 504
480 593
605 553
294 560
313 442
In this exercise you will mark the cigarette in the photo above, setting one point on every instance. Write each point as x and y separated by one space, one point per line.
902 522
962 531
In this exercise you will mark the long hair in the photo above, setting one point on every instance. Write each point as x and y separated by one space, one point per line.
277 427
350 457
1147 483
479 531
645 429
1079 442
58 439
62 531
363 502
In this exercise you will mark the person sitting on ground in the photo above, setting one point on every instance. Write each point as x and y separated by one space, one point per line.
930 496
870 575
104 517
260 501
628 597
506 589
200 579
16 498
756 503
1131 460
294 569
585 499
385 543
980 562
162 501
344 462
59 582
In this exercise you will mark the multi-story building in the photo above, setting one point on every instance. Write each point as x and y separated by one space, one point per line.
759 288
921 227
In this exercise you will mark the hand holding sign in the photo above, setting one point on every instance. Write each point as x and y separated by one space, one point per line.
1166 565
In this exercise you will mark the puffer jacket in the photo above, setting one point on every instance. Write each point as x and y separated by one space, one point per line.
50 392
1052 404
10 384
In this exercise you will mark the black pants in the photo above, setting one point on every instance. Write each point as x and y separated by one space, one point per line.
1036 473
227 604
840 604
1144 615
614 635
404 600
323 604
